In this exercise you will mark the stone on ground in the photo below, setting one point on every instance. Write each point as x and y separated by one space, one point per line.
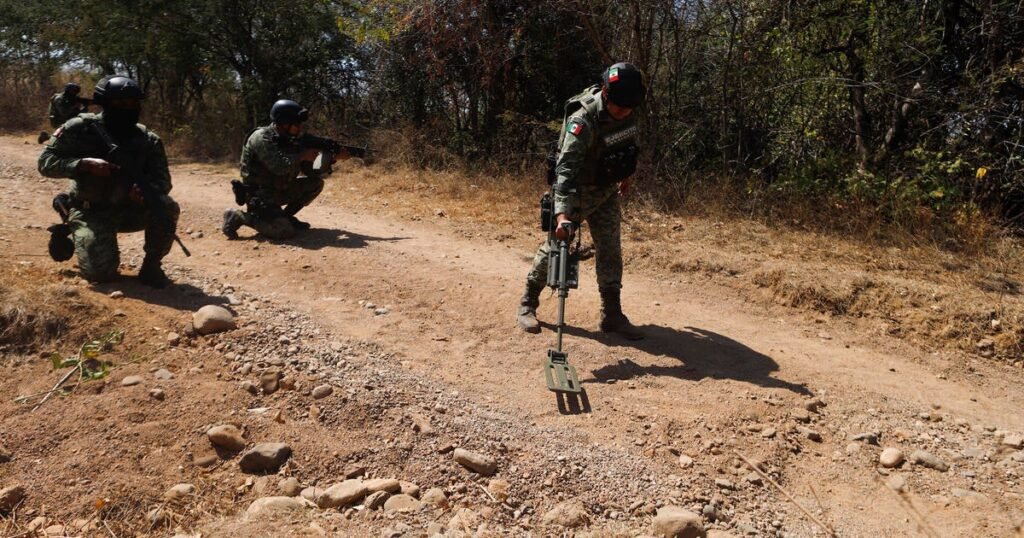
568 514
435 497
479 463
10 497
269 506
289 487
389 485
226 436
213 319
346 493
265 458
402 503
675 522
179 491
891 457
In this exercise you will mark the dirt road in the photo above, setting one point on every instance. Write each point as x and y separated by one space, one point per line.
715 372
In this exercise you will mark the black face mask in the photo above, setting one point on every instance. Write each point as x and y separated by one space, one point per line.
120 120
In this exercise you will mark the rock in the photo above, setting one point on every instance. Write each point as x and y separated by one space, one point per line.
313 494
724 484
163 374
205 461
801 415
753 478
157 518
346 493
891 457
270 381
768 433
269 506
402 503
158 394
809 433
421 424
410 489
10 497
116 295
131 381
250 387
353 471
5 455
289 487
265 458
479 463
814 405
38 524
927 459
213 319
1014 441
435 497
287 383
968 494
389 485
685 461
568 514
226 436
675 522
179 491
869 438
376 500
499 489
896 482
463 519
715 533
322 392
173 339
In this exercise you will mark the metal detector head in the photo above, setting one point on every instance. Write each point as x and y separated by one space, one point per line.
561 376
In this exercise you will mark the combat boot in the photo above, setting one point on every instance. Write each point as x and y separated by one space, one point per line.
152 274
526 316
612 318
291 210
233 220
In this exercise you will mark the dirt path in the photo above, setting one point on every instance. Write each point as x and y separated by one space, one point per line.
712 366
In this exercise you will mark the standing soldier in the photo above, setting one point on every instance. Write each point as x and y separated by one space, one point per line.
64 105
119 183
597 156
272 189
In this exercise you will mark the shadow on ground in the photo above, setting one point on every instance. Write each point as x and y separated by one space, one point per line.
180 296
701 353
319 238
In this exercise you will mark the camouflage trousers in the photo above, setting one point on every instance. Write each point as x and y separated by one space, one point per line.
271 221
604 215
94 232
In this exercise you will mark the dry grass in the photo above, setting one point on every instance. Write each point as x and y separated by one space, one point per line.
32 315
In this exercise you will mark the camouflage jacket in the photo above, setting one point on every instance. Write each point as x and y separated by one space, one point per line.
587 135
269 160
63 108
141 153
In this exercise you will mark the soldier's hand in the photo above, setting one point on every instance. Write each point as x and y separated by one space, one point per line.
560 233
309 154
96 167
135 195
624 187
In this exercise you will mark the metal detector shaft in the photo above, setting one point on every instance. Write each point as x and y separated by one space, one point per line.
563 288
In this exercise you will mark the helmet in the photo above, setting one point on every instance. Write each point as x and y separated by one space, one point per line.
60 246
625 85
72 89
288 111
116 87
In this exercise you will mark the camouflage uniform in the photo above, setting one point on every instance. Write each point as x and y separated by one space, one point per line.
270 165
62 108
101 207
589 134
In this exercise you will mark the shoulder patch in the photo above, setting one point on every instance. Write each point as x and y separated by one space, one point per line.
574 128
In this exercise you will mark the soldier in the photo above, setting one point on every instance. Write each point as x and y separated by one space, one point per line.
66 104
597 156
272 159
119 183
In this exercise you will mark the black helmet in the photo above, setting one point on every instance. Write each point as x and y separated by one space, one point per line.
60 245
71 89
116 87
288 111
625 85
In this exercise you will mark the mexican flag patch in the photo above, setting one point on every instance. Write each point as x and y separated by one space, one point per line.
613 74
575 128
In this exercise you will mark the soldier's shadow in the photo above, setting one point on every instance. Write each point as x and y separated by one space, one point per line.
179 296
320 238
701 354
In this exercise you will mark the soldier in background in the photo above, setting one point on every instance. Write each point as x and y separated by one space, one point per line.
272 188
597 157
64 105
119 183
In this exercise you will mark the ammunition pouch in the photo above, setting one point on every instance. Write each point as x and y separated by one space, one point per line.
616 166
572 270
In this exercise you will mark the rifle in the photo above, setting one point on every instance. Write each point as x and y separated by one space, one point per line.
150 198
329 149
563 275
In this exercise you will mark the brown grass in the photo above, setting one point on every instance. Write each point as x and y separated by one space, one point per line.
32 315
